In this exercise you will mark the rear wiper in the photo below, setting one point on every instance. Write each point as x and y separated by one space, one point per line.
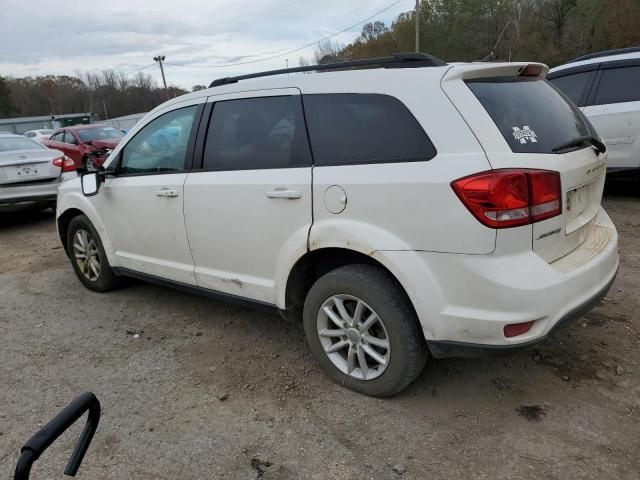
588 139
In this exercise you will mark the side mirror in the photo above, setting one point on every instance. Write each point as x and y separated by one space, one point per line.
90 183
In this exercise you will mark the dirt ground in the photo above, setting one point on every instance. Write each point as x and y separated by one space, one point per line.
197 389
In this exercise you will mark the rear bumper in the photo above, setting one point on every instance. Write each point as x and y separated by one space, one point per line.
33 192
449 349
463 302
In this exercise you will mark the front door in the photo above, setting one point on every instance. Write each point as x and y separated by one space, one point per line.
142 206
249 209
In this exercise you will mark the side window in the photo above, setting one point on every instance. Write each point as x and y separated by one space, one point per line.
69 138
574 86
618 85
257 133
161 146
348 129
30 134
58 137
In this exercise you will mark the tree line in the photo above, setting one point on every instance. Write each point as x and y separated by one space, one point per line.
550 31
107 94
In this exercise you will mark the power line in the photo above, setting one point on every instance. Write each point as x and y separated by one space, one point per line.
294 50
139 69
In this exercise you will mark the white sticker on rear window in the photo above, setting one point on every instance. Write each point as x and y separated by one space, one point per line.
525 133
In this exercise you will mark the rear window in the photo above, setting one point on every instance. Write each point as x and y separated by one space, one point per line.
9 144
574 85
532 116
347 129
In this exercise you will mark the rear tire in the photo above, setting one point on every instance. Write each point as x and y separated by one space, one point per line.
88 257
392 348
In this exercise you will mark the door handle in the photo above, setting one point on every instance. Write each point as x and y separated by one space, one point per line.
167 192
284 193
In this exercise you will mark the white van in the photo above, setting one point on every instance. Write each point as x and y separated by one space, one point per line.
606 87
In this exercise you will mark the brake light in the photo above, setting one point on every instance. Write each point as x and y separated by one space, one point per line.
65 163
531 70
511 197
515 329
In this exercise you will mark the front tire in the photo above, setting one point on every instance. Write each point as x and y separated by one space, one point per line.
363 331
88 257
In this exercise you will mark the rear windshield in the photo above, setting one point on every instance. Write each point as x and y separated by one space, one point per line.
8 144
532 116
99 133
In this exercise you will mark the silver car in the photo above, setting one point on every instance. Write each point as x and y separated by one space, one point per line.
30 173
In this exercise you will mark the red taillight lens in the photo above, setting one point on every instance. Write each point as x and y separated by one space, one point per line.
516 329
65 163
510 197
531 70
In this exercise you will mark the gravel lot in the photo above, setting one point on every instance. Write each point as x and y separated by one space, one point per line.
193 388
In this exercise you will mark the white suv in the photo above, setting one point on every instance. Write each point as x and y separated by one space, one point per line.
606 87
450 210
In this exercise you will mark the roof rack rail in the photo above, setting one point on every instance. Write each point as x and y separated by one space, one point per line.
397 60
605 53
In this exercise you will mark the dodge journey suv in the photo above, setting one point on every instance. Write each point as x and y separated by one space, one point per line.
399 212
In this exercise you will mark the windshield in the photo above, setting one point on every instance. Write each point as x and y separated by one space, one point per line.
9 144
99 133
532 115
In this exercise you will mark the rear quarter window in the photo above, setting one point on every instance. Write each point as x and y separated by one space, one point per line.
532 116
348 129
618 85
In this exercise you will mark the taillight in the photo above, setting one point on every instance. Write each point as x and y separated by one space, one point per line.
65 163
511 197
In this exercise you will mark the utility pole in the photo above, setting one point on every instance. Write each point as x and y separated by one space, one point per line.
160 59
417 26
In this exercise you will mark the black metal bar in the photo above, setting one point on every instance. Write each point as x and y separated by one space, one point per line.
38 443
396 60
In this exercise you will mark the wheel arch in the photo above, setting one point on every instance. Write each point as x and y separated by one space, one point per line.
316 263
63 224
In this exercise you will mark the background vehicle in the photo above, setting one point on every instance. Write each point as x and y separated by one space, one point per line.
87 145
605 85
450 209
39 135
30 173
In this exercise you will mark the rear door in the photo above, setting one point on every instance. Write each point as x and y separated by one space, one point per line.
615 112
249 209
71 147
523 122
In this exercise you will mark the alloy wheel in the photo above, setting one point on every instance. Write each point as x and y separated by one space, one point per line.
354 337
87 255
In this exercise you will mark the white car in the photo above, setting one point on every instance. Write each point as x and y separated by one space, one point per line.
396 212
38 135
606 87
30 173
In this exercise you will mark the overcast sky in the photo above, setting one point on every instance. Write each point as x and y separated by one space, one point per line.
67 36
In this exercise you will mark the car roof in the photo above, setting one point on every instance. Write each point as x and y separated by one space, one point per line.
599 57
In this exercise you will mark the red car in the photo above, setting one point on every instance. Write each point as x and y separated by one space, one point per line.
87 145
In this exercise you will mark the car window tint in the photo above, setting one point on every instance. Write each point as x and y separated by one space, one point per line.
532 116
161 146
257 133
618 85
58 137
574 86
364 128
69 138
